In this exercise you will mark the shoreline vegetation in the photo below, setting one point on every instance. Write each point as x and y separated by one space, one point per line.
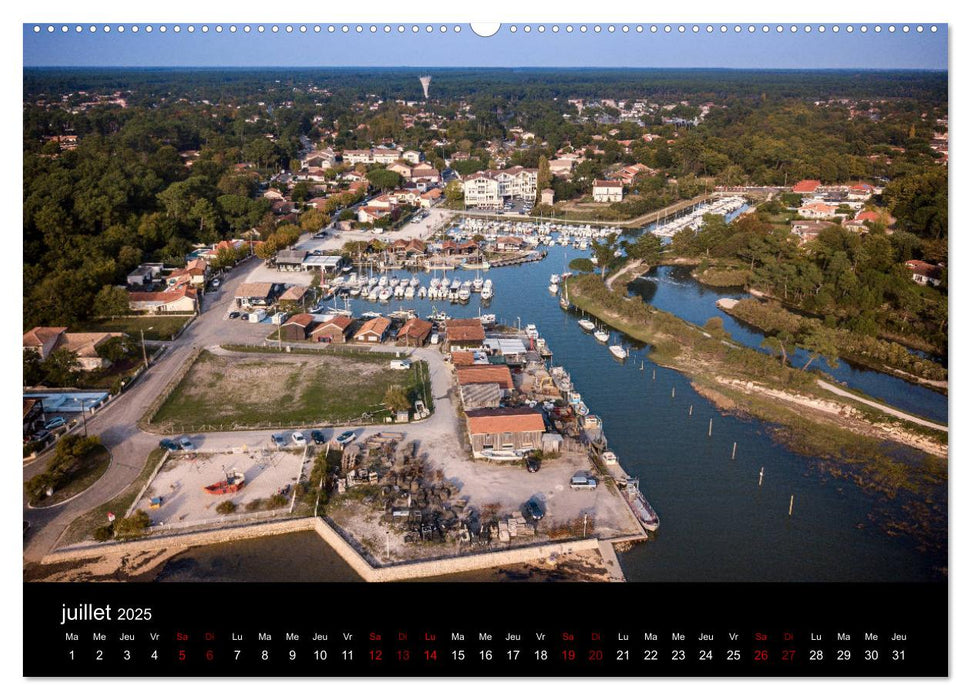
880 453
888 357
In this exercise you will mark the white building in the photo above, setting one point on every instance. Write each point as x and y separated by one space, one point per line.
608 191
370 156
492 187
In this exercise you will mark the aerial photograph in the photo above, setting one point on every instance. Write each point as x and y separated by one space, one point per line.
406 303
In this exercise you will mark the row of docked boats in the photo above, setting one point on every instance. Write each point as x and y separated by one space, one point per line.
695 218
593 433
385 288
534 233
603 336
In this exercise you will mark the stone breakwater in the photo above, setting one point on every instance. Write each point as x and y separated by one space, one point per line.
175 544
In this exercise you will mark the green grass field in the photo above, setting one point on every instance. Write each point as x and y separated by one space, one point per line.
155 327
273 389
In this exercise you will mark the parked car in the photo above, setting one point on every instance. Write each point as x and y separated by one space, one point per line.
532 464
345 438
580 480
299 439
279 441
234 314
41 435
215 284
533 509
187 444
170 445
54 423
244 317
318 437
434 340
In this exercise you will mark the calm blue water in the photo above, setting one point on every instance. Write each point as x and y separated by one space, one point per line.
717 524
673 289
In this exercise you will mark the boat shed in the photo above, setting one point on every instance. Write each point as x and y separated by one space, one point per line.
326 263
290 259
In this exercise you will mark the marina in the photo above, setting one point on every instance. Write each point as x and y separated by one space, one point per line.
722 520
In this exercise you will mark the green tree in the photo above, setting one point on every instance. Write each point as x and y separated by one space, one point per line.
383 179
453 192
605 250
61 368
646 248
110 301
312 220
819 343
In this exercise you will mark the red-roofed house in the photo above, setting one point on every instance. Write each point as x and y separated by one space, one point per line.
925 273
817 210
519 429
374 330
464 333
179 299
46 339
296 327
806 186
415 332
485 374
333 331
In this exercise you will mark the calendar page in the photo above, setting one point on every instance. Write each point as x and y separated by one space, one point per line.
360 349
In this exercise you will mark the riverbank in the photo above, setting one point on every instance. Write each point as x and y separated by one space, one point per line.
745 381
879 355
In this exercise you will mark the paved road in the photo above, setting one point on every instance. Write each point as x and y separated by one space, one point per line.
115 423
130 447
881 407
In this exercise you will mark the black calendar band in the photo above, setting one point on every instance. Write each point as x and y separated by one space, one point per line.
346 630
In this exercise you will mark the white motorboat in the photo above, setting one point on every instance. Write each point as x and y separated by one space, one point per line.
554 279
422 292
619 351
601 335
553 288
384 294
486 293
464 294
586 324
409 292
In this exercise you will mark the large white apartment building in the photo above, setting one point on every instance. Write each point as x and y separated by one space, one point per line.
492 187
369 156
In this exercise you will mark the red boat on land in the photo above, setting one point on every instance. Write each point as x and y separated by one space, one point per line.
233 482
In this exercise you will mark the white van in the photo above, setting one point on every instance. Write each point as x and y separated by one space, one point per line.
400 364
434 340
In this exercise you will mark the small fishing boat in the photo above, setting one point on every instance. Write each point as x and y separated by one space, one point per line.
554 288
619 351
233 482
486 293
601 335
586 324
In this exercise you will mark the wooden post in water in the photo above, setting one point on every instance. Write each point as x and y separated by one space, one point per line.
653 374
734 445
710 420
691 409
672 392
761 474
791 499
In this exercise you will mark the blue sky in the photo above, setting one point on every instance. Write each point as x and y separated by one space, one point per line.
925 50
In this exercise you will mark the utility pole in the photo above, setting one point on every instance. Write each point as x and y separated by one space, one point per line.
144 352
